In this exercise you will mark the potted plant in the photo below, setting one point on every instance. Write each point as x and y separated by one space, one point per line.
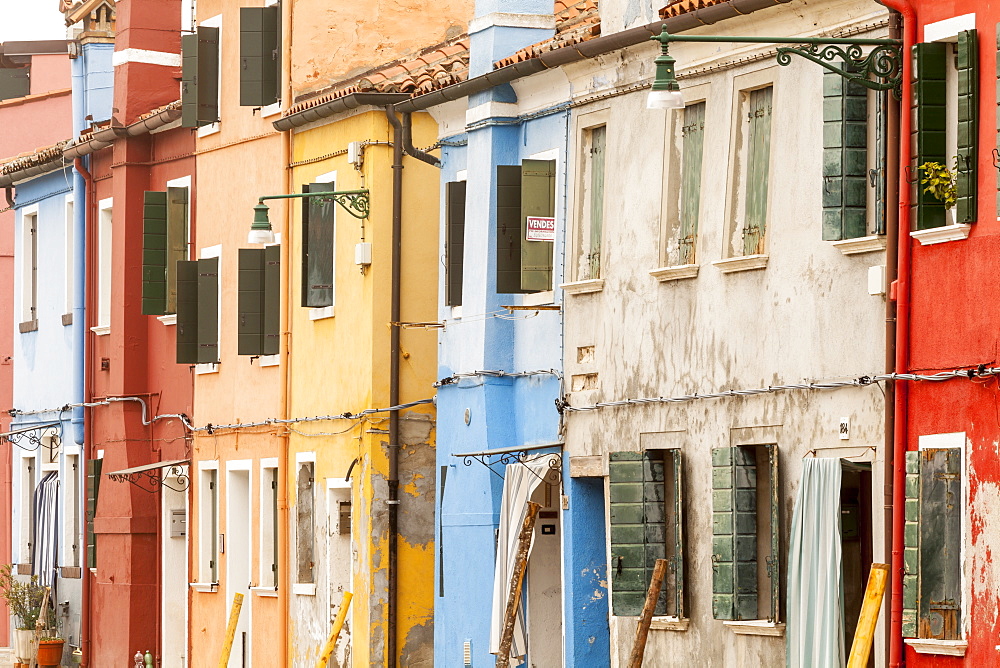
50 651
940 182
24 599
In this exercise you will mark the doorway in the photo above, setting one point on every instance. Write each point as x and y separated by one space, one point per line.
340 563
237 550
544 580
856 543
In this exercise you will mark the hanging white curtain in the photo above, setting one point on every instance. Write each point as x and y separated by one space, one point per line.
520 482
46 529
815 571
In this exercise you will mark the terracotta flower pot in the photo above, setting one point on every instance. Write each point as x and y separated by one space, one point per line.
50 652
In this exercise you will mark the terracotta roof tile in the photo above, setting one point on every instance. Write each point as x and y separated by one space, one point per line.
678 7
37 157
576 22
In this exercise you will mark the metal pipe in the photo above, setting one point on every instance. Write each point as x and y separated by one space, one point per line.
336 106
409 148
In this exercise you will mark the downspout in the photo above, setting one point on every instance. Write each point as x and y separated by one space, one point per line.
902 295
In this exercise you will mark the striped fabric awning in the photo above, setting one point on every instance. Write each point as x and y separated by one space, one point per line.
46 535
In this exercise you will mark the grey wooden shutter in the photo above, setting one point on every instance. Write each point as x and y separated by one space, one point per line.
14 82
272 300
317 248
677 563
845 157
598 150
258 56
250 302
968 126
208 310
187 312
881 158
930 122
454 250
177 241
305 523
773 562
758 165
693 148
628 533
508 228
538 198
940 570
734 533
94 468
154 253
200 77
654 509
911 545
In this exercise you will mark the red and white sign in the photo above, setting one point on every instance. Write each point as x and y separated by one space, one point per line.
541 228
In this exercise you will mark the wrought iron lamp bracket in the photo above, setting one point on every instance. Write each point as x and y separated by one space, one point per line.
552 476
152 480
355 202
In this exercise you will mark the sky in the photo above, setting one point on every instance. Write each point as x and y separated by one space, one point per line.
31 19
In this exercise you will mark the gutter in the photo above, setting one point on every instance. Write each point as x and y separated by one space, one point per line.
337 106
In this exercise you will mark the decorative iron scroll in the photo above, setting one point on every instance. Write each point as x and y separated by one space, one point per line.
33 436
552 476
354 202
879 69
151 480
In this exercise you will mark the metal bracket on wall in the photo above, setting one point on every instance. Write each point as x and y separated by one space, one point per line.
31 435
150 478
519 455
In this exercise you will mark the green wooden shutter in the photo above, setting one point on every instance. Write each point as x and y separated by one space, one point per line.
881 158
723 537
154 253
654 509
845 157
508 228
187 312
734 533
94 468
538 198
940 569
968 126
774 561
598 150
454 250
758 165
272 300
258 56
200 77
677 563
208 310
930 122
250 306
693 149
628 533
318 223
911 545
14 82
177 239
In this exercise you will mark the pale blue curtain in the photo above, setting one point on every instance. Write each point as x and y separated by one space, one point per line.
815 612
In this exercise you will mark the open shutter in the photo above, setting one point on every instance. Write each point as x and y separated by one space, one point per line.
14 82
454 251
94 468
774 561
693 143
208 310
968 126
911 545
508 228
177 241
628 533
723 537
845 157
654 498
677 564
200 77
154 253
258 56
758 165
187 312
250 306
734 533
272 300
213 490
930 122
538 198
940 569
317 247
881 158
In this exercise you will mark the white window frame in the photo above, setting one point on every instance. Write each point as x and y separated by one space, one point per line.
324 312
267 527
548 296
28 477
69 279
29 305
338 487
206 498
585 125
71 513
203 368
105 253
212 128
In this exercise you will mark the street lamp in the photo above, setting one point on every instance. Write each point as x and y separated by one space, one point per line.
355 202
666 93
260 231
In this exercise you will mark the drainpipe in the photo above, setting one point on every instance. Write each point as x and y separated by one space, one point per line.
81 187
902 290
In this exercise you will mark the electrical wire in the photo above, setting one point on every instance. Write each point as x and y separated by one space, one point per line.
455 377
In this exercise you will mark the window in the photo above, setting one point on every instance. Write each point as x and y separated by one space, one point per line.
269 523
69 260
591 213
646 492
305 540
318 226
94 468
454 248
29 270
259 303
749 198
682 191
104 250
525 226
14 82
164 244
199 303
945 124
932 554
260 63
200 75
208 523
27 508
71 511
745 531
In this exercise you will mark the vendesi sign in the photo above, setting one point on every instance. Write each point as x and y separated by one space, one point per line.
540 228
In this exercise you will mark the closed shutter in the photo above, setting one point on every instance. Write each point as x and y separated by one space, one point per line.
758 165
734 533
628 533
208 310
881 158
508 229
930 122
454 250
940 570
773 562
677 562
154 253
538 198
272 300
911 545
250 302
14 82
258 56
692 146
94 468
968 126
845 157
177 239
200 77
317 247
187 312
598 150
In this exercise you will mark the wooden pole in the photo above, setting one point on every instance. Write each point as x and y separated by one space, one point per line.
865 633
642 630
234 618
40 625
516 580
338 622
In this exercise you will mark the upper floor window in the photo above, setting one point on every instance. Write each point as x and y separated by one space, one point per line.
526 226
199 303
29 270
751 173
454 245
164 244
682 189
200 74
591 206
260 56
318 244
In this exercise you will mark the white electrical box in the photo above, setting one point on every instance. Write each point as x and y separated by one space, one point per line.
876 280
354 153
363 253
178 522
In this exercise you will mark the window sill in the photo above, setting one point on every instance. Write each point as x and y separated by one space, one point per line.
205 587
67 319
209 129
269 360
675 273
321 313
668 624
270 110
538 298
267 592
304 589
860 245
169 319
206 368
939 235
932 646
583 287
456 312
101 330
53 466
29 326
760 627
744 263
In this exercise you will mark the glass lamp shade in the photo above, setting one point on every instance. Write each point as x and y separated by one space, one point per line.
258 236
665 99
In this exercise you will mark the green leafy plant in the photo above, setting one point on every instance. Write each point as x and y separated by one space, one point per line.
24 598
940 182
